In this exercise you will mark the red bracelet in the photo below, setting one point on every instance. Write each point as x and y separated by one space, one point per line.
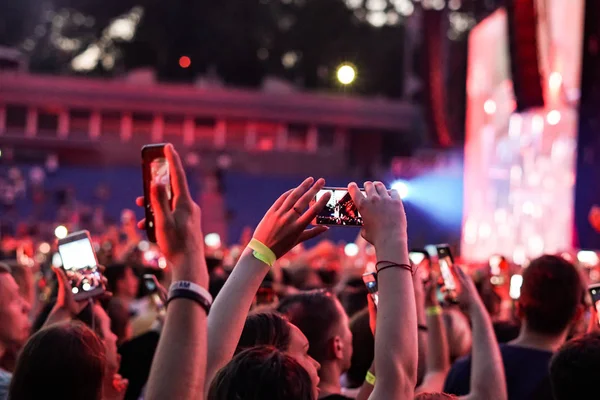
394 265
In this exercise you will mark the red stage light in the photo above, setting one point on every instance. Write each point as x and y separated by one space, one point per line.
185 62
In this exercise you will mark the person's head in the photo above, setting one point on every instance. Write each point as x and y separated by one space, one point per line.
262 373
122 280
322 319
363 345
574 368
271 329
119 320
550 296
53 358
458 332
14 313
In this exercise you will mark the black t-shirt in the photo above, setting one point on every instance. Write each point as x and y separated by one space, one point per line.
136 360
526 374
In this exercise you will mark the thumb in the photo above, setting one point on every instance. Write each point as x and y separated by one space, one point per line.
160 203
64 286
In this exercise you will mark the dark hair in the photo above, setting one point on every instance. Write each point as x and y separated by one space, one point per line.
113 274
119 318
574 368
69 350
262 373
316 314
364 348
551 291
265 329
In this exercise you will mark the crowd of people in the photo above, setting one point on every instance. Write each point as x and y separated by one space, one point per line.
270 319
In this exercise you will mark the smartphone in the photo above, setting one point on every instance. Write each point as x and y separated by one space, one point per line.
446 261
595 293
370 280
155 168
340 210
417 257
151 285
81 265
516 281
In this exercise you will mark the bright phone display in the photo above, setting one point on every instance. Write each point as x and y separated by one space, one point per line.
445 260
80 265
155 168
340 210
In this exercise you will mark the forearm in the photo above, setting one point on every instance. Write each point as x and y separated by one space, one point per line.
367 388
487 370
230 309
422 335
179 366
396 334
438 362
56 316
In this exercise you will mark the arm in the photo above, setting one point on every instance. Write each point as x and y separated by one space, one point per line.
422 321
487 368
179 365
281 229
438 357
396 337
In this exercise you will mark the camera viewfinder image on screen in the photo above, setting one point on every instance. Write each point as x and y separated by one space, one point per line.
81 267
159 170
339 210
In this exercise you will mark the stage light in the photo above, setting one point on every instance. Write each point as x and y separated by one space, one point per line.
516 281
185 62
489 106
588 258
213 240
402 188
351 250
61 232
346 74
553 117
44 248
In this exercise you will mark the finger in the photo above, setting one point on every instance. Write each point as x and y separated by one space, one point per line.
296 194
101 268
312 233
142 224
61 277
395 195
381 189
160 204
309 196
370 189
179 181
356 194
139 201
313 211
280 200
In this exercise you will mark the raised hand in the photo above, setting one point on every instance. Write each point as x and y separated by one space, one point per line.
178 231
468 295
382 211
284 225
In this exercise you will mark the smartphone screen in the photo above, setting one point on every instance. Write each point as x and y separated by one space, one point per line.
446 262
495 265
155 168
80 265
339 210
370 280
595 293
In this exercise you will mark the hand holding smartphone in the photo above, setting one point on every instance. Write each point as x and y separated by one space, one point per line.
155 169
446 261
81 265
340 210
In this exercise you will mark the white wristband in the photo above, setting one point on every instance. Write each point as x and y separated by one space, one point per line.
187 285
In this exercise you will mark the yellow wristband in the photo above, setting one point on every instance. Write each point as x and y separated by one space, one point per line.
370 378
262 252
432 311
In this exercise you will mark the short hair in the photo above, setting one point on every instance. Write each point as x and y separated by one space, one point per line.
114 273
68 349
119 318
363 344
574 368
551 291
265 329
262 373
316 314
